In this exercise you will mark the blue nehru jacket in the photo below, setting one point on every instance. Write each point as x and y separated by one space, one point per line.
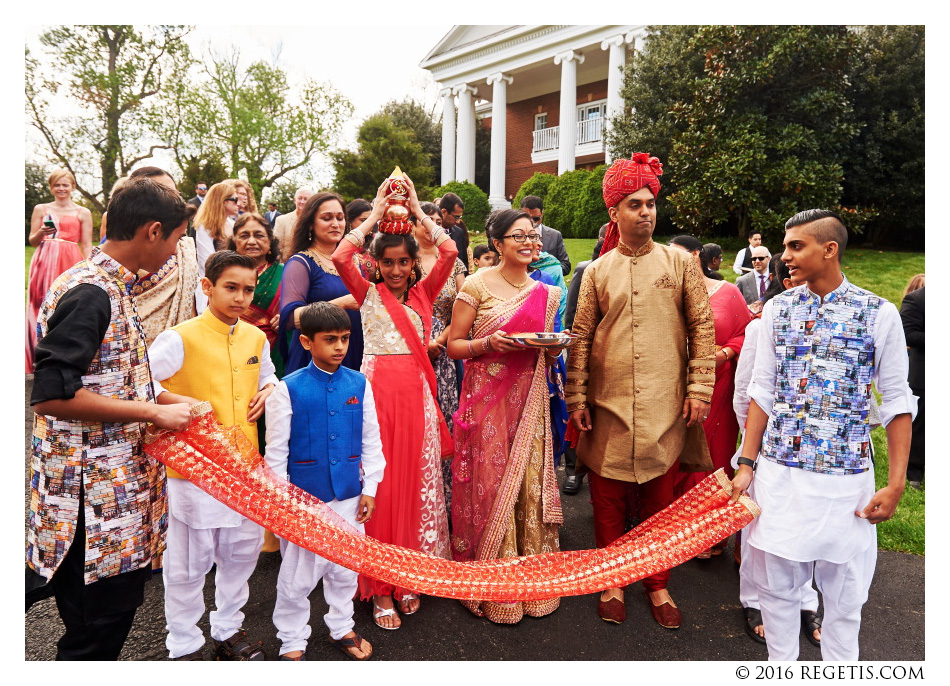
326 432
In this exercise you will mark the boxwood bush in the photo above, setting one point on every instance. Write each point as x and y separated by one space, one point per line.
474 199
573 201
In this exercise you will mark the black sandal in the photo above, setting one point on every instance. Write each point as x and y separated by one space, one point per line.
811 622
238 648
356 642
753 618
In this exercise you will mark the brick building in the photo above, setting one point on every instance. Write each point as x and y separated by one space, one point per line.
551 89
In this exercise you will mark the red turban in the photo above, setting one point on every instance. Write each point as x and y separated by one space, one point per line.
623 178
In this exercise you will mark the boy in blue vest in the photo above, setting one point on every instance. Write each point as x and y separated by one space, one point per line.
322 435
807 439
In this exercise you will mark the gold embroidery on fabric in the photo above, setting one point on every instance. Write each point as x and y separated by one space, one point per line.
664 281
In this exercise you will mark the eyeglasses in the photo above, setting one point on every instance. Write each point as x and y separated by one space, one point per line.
230 200
756 259
521 238
536 220
202 188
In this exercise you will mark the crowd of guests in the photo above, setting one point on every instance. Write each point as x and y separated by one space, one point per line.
377 372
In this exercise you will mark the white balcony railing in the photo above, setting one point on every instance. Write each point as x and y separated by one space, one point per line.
589 131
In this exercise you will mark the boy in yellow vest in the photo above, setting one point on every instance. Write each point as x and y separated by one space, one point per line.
218 358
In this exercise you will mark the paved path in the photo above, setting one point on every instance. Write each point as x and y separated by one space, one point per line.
706 592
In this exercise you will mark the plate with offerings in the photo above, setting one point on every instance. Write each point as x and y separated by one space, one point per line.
541 339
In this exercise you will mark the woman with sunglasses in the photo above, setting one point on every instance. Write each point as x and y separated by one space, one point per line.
213 225
505 499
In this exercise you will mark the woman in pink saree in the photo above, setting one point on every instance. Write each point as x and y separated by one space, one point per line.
505 499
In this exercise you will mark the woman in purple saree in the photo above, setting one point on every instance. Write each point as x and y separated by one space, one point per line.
505 497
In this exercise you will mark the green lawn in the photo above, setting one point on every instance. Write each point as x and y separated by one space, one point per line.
882 272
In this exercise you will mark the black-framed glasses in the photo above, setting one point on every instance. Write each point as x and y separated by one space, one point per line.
230 199
756 259
521 238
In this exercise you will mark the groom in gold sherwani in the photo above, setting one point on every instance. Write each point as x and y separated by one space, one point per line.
641 375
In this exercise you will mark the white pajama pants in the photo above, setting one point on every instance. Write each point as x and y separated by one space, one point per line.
300 571
844 589
748 591
189 555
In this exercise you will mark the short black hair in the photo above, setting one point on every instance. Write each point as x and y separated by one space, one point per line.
217 262
143 200
149 173
450 201
532 202
480 250
755 232
320 317
691 243
827 227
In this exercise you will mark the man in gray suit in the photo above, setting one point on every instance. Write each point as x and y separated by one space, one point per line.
551 239
753 284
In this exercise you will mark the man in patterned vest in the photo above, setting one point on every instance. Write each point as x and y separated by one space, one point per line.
97 503
821 346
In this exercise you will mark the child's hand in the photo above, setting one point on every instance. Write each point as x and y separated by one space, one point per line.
366 508
256 407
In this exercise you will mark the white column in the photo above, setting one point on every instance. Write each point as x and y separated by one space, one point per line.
448 136
465 143
567 120
496 183
616 61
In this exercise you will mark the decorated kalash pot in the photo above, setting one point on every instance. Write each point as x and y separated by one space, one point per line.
396 215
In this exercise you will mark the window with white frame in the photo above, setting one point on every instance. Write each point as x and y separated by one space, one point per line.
540 121
590 121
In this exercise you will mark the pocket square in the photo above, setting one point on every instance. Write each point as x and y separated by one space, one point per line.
353 401
664 282
254 360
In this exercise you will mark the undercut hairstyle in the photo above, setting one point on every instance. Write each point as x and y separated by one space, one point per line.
142 200
383 241
532 202
303 229
779 271
450 201
323 317
429 208
498 224
826 226
149 173
247 217
217 262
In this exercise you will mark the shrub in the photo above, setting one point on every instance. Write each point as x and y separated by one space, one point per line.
539 184
474 199
575 204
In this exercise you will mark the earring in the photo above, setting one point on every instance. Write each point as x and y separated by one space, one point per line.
378 275
412 277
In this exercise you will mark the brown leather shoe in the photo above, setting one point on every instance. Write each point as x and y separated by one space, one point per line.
612 610
665 615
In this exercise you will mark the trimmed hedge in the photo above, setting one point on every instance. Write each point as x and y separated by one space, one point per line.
475 201
573 202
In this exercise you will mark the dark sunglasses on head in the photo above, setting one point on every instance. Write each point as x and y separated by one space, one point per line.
756 259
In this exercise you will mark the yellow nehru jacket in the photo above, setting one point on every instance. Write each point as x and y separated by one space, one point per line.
221 367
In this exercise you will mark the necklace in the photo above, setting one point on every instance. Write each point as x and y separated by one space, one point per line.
324 262
513 285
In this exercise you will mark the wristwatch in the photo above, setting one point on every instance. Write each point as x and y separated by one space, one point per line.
746 461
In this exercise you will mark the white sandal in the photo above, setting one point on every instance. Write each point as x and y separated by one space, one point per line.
405 600
380 612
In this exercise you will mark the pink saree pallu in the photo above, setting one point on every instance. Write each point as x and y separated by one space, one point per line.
223 463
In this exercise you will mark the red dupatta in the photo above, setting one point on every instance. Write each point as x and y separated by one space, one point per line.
409 334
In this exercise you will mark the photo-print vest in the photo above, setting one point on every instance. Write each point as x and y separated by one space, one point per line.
824 356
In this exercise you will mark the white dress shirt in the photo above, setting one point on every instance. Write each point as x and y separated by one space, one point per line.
278 413
737 266
807 515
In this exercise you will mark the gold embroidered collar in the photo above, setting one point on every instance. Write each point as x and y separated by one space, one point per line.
644 249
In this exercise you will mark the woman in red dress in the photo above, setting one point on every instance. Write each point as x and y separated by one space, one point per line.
61 231
730 315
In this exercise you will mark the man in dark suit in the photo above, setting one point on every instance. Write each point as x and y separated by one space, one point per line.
551 239
753 285
271 214
201 189
912 317
450 208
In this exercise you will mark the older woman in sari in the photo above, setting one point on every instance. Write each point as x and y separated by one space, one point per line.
505 499
254 237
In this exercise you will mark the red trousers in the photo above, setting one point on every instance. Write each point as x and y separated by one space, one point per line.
610 499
